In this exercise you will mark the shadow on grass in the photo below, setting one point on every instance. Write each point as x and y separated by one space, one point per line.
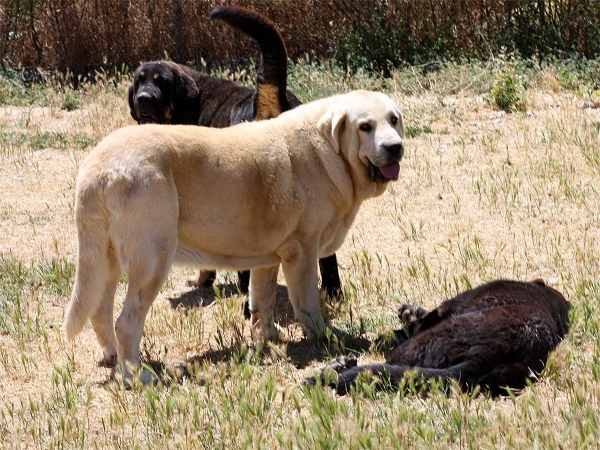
305 352
301 354
205 296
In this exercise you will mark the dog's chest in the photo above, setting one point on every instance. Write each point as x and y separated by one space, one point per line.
334 234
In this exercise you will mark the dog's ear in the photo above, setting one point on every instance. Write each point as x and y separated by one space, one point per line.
184 107
331 126
131 103
186 90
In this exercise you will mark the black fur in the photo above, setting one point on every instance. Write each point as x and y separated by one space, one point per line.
169 93
495 336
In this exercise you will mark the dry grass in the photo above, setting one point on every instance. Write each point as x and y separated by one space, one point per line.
482 195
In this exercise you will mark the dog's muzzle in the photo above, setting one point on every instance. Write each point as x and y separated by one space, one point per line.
389 171
148 109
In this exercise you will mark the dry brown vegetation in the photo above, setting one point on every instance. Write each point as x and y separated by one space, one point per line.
90 34
483 194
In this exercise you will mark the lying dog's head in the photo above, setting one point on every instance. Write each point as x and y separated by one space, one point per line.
163 92
367 127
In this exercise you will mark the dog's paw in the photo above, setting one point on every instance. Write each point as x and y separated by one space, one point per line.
410 315
328 374
309 381
341 364
264 332
206 278
313 325
138 378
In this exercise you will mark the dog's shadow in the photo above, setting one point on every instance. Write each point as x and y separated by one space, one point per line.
206 296
300 353
203 296
338 342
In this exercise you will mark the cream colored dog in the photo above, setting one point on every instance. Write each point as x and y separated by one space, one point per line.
253 196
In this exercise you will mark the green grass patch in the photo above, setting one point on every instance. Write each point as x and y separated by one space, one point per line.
412 131
71 101
22 287
18 140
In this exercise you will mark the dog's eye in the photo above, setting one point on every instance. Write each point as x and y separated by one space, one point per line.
394 120
365 127
163 81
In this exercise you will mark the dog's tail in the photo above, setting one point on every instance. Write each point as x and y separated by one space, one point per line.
93 266
271 99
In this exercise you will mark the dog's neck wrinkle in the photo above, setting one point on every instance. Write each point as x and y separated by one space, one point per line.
340 173
362 187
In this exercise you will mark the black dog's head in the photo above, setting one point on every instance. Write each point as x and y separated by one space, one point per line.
163 92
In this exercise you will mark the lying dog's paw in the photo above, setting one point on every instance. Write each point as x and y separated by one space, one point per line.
341 364
328 373
309 381
410 315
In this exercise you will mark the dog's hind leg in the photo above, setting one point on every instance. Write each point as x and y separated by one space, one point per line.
143 289
244 281
330 278
102 318
263 291
511 376
391 375
146 241
146 275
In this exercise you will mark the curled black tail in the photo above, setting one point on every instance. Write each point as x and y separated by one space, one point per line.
271 99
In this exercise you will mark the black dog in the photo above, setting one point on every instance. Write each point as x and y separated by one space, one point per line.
496 336
169 93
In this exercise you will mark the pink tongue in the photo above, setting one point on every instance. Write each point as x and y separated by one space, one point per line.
390 170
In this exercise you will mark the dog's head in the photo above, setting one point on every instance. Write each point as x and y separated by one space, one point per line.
163 92
367 128
556 303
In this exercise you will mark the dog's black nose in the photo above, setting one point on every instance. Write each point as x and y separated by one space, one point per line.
144 98
395 150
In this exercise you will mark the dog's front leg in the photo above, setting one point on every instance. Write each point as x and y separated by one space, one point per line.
299 263
263 290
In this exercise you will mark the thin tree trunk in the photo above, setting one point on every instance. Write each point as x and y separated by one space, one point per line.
178 32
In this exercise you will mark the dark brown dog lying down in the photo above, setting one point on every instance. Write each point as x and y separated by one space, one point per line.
495 336
167 93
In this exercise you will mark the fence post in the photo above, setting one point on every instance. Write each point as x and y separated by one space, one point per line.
178 32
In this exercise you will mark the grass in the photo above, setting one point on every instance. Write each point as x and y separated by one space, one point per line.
483 194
